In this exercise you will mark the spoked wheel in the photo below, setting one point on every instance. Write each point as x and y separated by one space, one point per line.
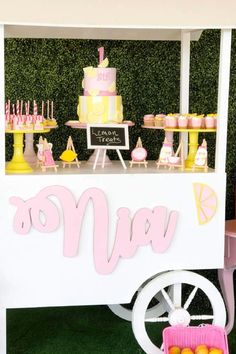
182 311
157 308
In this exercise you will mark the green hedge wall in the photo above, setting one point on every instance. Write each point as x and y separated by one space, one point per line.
147 78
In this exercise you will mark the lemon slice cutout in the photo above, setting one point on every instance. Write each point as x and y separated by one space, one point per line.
90 71
104 63
206 202
68 156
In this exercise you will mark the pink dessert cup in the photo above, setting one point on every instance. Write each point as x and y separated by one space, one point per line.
210 122
171 122
183 122
196 122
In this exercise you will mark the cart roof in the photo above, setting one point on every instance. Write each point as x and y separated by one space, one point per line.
114 19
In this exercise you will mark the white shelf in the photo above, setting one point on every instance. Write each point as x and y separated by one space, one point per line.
111 33
114 168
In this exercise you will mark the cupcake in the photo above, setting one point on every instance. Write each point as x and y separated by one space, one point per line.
171 120
197 122
148 120
159 120
190 116
183 121
210 121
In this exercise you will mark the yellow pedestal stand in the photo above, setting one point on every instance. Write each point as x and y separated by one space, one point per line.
18 165
193 142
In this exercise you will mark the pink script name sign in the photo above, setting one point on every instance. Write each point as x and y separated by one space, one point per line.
147 225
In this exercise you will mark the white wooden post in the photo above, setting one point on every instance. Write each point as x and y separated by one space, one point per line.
3 330
223 97
3 319
184 81
2 99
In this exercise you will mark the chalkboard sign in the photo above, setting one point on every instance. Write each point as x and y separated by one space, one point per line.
108 136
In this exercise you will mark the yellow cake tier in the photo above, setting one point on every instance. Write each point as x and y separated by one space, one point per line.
100 109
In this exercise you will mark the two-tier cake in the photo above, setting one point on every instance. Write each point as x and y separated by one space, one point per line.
100 103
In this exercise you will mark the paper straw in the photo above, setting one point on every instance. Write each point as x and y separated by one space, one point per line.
35 108
17 107
42 108
6 109
47 109
21 107
52 110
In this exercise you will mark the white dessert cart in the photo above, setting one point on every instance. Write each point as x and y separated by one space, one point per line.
149 228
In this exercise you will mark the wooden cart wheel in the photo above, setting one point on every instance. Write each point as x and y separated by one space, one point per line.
180 310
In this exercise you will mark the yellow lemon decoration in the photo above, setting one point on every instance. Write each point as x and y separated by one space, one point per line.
90 71
93 92
206 202
104 63
112 87
68 156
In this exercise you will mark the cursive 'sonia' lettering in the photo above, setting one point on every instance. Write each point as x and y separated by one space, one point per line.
147 226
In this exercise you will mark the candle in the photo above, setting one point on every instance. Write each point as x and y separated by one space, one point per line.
13 109
28 110
101 54
9 107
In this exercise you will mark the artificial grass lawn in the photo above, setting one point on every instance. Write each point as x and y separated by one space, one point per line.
76 330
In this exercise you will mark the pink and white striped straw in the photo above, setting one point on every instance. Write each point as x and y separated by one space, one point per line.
52 110
21 107
6 110
35 108
17 107
9 107
47 109
42 113
26 109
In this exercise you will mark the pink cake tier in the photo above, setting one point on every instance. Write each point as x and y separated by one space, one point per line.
99 81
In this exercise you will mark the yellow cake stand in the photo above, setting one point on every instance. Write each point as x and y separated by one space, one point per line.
18 165
193 142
